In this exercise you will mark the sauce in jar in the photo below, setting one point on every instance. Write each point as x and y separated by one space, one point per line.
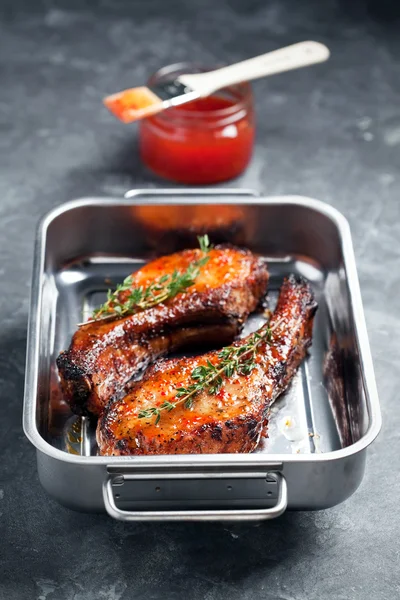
205 141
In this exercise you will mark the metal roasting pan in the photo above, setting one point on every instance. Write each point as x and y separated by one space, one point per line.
319 430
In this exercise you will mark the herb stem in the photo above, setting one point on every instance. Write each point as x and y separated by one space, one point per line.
234 359
157 292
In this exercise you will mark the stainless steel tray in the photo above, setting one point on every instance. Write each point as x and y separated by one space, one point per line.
319 430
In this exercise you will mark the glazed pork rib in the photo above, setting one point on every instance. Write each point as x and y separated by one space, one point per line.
105 355
230 420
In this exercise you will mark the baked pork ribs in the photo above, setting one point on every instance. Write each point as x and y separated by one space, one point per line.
216 402
104 355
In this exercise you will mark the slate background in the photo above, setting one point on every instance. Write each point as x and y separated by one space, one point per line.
331 132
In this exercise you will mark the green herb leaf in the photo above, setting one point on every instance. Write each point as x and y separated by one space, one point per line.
204 243
165 287
240 359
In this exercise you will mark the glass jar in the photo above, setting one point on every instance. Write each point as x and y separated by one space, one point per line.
205 141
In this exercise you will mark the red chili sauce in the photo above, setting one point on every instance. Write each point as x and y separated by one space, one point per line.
205 141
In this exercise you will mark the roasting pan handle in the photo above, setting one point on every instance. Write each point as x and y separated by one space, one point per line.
197 515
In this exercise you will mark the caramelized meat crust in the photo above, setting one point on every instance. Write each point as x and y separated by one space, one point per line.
230 421
105 355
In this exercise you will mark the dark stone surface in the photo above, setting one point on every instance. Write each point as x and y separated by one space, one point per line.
331 132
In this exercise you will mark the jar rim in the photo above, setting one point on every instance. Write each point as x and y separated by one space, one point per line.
181 68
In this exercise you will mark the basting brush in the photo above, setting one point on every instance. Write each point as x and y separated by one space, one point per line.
140 102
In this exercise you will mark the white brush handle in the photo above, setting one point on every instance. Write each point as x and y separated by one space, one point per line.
285 59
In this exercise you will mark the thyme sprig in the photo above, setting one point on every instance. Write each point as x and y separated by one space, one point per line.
160 290
210 377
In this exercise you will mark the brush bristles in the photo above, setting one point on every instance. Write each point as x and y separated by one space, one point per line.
133 104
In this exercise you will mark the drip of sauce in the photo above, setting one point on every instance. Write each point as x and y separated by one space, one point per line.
73 438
